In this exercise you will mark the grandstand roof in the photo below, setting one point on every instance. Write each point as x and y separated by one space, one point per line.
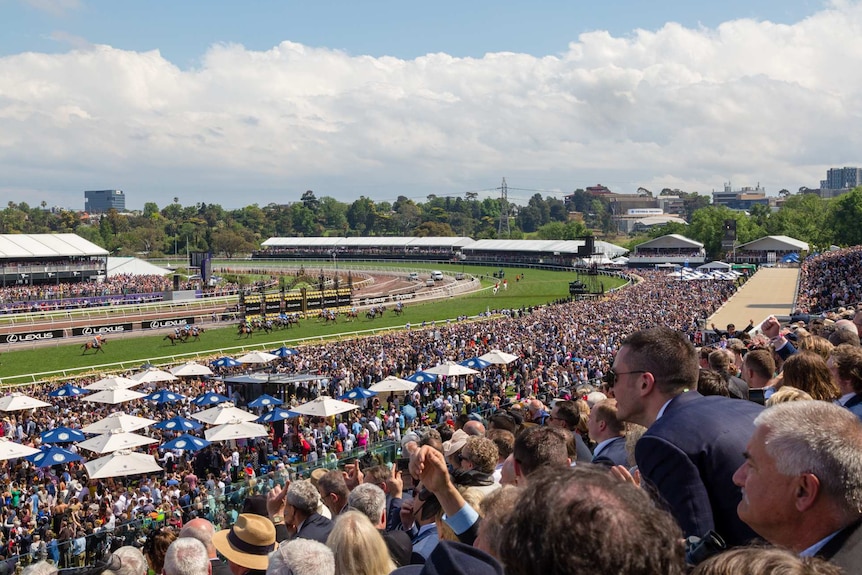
19 246
134 266
367 241
543 246
774 244
674 241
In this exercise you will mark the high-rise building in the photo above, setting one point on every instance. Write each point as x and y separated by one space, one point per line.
842 179
100 201
741 199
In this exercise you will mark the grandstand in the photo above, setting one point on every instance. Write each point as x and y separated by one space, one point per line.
35 259
564 253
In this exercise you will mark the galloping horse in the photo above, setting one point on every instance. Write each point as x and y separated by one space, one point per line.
398 309
174 338
195 333
375 311
244 329
351 315
94 345
327 316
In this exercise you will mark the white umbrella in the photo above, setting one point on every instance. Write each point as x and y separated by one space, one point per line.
120 463
153 376
11 450
235 429
18 401
223 413
115 440
257 357
498 357
324 406
114 396
118 420
112 383
190 369
450 369
392 384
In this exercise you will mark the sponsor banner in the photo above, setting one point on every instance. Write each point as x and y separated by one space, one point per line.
31 336
373 300
273 307
343 299
102 329
162 323
330 299
252 308
314 300
402 296
293 304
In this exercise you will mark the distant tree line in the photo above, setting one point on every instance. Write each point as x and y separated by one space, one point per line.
174 229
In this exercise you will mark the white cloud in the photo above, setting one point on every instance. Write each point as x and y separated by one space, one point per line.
676 107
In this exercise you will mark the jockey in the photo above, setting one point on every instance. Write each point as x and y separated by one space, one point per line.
177 331
97 340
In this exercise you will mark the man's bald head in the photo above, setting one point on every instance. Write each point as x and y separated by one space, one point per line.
203 531
475 428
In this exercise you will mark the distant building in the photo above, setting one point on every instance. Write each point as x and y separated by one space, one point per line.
742 199
839 181
100 201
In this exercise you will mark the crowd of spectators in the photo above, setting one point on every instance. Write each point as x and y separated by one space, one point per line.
521 426
830 280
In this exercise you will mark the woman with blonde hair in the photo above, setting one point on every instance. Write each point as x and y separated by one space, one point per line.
358 547
816 344
787 393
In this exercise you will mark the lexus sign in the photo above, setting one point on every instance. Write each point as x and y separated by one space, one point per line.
31 336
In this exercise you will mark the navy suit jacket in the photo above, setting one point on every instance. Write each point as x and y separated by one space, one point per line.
316 527
854 404
614 453
845 549
689 456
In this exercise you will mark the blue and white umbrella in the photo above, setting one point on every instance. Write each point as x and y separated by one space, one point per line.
186 442
225 362
475 363
53 456
421 377
276 415
285 351
357 393
62 435
178 423
264 401
164 396
209 398
68 390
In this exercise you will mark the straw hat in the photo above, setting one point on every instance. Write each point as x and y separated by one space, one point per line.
248 542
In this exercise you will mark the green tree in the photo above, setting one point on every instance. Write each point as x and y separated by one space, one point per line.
845 213
803 217
362 216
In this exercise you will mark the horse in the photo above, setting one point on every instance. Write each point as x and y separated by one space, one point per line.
327 316
398 309
97 346
351 315
174 338
245 330
195 333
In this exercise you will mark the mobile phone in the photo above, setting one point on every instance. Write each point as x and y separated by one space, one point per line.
403 463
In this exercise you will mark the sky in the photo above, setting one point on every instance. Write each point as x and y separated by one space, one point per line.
257 102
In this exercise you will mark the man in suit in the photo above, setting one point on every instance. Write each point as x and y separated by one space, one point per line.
300 512
203 531
693 443
845 364
609 433
802 481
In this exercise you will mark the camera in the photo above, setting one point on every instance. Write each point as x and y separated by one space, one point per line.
699 549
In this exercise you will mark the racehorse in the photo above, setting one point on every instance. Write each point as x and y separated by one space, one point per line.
174 338
327 316
351 315
195 333
375 311
244 329
94 345
398 309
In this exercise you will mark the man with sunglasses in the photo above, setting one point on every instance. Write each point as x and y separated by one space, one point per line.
693 444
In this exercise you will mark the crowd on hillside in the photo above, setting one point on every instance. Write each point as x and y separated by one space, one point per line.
830 280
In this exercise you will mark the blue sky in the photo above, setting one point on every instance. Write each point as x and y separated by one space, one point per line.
257 102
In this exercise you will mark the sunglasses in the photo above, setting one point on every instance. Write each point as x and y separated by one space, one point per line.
612 376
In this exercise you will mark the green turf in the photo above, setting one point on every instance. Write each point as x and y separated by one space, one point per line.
538 287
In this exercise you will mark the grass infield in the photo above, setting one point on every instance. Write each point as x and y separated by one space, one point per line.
538 287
